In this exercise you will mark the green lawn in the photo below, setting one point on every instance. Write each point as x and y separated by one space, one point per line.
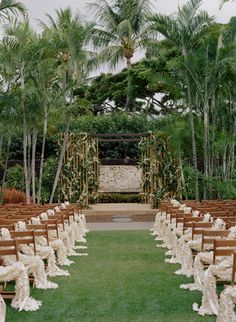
124 278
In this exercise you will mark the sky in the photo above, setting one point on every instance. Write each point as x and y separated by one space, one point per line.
38 8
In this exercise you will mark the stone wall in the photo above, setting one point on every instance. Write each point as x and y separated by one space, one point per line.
120 178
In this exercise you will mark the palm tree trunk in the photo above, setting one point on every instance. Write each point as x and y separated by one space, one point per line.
128 96
25 139
194 151
233 148
191 121
26 175
1 145
212 150
205 148
45 127
60 162
194 146
224 160
182 176
6 160
29 155
34 143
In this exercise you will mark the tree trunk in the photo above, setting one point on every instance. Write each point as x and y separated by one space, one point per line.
26 175
191 121
34 142
128 96
224 160
25 140
60 162
6 160
182 176
29 155
1 145
45 127
233 149
205 148
213 135
194 151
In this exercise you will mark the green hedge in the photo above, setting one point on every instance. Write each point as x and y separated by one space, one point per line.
117 198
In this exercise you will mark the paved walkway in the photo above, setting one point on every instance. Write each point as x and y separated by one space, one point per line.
121 207
120 226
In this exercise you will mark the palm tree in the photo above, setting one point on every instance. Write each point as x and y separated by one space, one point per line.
19 46
185 31
69 37
122 29
48 93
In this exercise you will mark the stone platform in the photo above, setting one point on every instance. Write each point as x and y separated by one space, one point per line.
120 213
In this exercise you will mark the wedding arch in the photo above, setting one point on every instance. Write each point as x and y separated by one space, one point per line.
81 167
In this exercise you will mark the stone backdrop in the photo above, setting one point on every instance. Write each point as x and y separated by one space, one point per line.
120 178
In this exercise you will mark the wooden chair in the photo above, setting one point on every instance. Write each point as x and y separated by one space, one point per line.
223 247
233 268
24 238
52 224
40 230
199 227
208 237
8 247
189 220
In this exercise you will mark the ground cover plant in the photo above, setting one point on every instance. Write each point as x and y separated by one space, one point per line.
124 279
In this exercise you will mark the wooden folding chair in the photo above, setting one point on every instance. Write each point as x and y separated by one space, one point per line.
8 247
208 237
24 238
40 230
223 247
199 227
233 268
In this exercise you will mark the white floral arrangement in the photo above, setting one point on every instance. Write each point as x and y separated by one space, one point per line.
219 224
44 216
232 233
20 226
5 234
207 217
196 213
187 210
182 206
35 221
50 212
175 202
63 206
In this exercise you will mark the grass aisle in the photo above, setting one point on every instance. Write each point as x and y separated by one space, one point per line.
123 279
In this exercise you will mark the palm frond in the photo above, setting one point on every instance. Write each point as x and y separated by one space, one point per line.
13 7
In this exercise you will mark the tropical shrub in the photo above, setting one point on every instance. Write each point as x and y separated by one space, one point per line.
117 198
49 172
15 178
13 196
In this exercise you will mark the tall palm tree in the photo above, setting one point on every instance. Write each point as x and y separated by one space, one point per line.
185 31
69 37
122 29
19 44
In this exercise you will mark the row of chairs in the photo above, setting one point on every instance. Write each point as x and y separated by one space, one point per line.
10 215
190 217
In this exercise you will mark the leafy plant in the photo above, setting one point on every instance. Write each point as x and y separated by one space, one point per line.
50 167
15 178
